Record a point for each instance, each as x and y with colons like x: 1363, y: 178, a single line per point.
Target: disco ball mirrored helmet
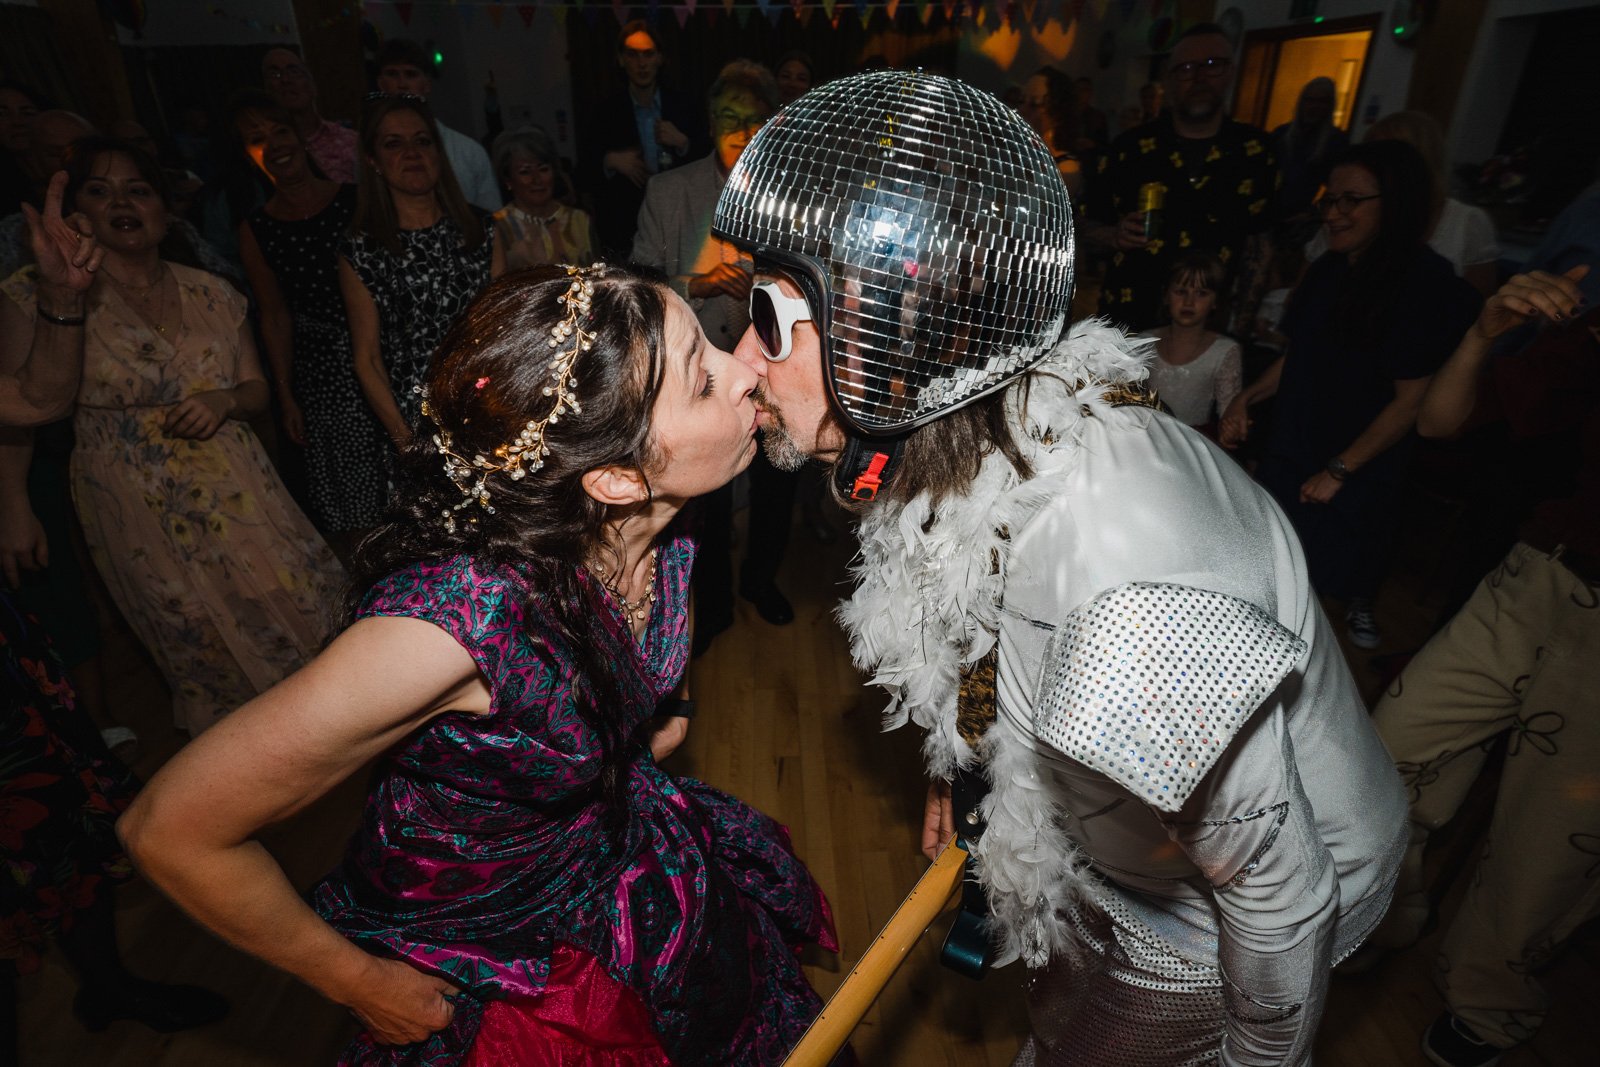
x: 929, y: 228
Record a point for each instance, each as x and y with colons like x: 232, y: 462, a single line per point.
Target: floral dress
x: 344, y: 445
x: 60, y: 795
x: 532, y: 240
x: 205, y: 553
x: 419, y: 295
x: 484, y: 857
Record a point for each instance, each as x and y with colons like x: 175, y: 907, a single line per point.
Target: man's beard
x: 776, y: 440
x: 1200, y: 105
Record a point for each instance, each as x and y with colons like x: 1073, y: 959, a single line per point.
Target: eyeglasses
x: 376, y: 95
x: 282, y: 74
x: 730, y: 121
x: 1344, y: 203
x: 1211, y: 68
x: 773, y: 313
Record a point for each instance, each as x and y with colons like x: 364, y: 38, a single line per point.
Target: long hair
x: 1366, y: 299
x: 1061, y: 108
x: 375, y: 215
x: 253, y: 103
x: 487, y: 381
x: 1421, y: 131
x: 87, y: 151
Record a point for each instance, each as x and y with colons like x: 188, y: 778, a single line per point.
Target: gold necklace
x: 635, y: 610
x: 160, y: 323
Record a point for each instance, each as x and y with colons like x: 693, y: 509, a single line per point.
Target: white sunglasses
x: 773, y: 313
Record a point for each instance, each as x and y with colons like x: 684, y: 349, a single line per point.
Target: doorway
x: 1277, y: 63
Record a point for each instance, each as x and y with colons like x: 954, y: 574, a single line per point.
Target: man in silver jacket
x: 1189, y: 818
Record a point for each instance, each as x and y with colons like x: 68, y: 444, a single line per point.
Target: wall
x: 529, y: 63
x: 1388, y: 73
x: 1498, y: 58
x: 185, y: 23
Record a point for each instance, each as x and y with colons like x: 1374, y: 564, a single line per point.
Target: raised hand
x: 1527, y: 296
x: 64, y: 249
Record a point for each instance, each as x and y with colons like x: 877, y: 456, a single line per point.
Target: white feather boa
x: 927, y: 604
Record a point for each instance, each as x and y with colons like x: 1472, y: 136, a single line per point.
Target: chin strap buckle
x: 871, y: 480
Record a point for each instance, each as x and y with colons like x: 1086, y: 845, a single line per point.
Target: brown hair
x: 86, y: 151
x: 374, y: 215
x: 487, y: 381
x: 1207, y: 270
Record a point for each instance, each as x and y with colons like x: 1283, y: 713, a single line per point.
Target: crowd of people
x: 507, y: 468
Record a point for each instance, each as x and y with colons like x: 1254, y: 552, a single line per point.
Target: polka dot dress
x: 419, y: 295
x: 344, y: 445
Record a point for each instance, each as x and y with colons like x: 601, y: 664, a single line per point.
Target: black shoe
x: 165, y: 1009
x: 1449, y: 1042
x: 771, y: 605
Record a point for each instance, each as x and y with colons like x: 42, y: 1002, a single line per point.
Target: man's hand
x: 1556, y: 297
x: 938, y: 819
x: 1130, y: 232
x: 23, y: 546
x: 671, y: 137
x: 628, y: 162
x: 725, y: 279
x: 399, y: 1004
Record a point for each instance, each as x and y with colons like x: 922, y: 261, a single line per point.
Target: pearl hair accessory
x: 527, y: 450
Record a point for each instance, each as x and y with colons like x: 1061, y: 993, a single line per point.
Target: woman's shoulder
x: 468, y: 597
x: 203, y: 283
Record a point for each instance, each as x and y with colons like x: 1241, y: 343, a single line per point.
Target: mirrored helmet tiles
x: 929, y: 228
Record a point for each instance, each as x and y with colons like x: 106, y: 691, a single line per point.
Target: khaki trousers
x: 1522, y: 658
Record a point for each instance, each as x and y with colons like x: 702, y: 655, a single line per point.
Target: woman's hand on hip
x: 200, y: 416
x: 399, y: 1004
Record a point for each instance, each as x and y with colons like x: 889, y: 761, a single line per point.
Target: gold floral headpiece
x: 527, y: 450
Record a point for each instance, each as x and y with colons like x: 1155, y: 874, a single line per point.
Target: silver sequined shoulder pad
x: 1148, y: 683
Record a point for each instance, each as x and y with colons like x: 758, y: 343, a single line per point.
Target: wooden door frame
x: 1275, y: 36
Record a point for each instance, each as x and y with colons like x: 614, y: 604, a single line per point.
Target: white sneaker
x: 1360, y: 625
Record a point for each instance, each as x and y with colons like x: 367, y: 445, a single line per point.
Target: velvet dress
x: 484, y: 856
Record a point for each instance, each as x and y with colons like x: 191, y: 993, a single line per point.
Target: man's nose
x: 748, y: 351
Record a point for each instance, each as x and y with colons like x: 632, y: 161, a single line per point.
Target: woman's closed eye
x: 710, y: 386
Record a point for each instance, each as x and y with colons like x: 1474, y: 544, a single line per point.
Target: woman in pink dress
x: 528, y: 886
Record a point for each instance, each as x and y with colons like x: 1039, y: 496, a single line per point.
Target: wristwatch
x: 1337, y: 469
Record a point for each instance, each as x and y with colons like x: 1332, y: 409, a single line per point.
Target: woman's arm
x: 1385, y: 431
x: 42, y: 386
x: 200, y: 416
x: 1453, y: 394
x: 277, y: 330
x: 191, y: 829
x: 370, y: 371
x: 497, y: 254
x: 23, y: 546
x: 1235, y: 426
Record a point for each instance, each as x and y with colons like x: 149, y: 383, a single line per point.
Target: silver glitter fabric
x: 1148, y: 682
x: 929, y: 221
x: 1119, y: 996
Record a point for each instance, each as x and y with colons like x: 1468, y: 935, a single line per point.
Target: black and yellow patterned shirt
x: 1219, y: 192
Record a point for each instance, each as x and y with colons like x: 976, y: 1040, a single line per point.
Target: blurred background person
x: 643, y: 129
x: 1368, y: 325
x: 18, y: 106
x: 287, y: 80
x: 795, y: 74
x: 1094, y: 131
x: 1307, y: 145
x: 1049, y: 103
x: 403, y: 67
x: 415, y: 256
x: 289, y: 248
x: 536, y: 226
x: 216, y: 570
x: 675, y: 238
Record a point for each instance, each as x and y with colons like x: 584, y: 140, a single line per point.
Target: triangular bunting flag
x: 891, y: 8
x: 827, y: 9
x: 527, y: 11
x: 404, y: 11
x: 496, y: 13
x: 465, y: 14
x: 682, y: 13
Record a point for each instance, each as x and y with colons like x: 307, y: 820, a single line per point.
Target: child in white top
x: 1197, y: 371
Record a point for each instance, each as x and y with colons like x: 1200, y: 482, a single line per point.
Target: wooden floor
x: 786, y: 724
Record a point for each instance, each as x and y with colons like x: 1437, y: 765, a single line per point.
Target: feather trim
x: 927, y: 604
x: 1029, y: 868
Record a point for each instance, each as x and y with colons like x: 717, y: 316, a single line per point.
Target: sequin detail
x: 1148, y: 682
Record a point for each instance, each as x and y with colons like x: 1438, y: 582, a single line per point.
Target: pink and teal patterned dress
x: 484, y: 853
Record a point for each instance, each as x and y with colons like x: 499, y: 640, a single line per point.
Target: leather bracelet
x: 61, y: 320
x: 673, y: 706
